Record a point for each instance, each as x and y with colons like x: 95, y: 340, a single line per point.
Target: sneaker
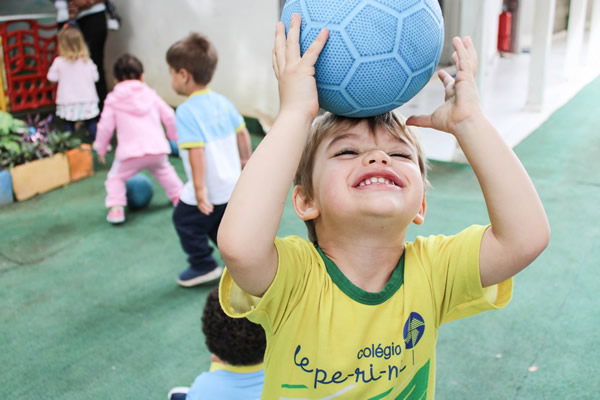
x: 190, y: 277
x: 116, y: 215
x: 178, y: 393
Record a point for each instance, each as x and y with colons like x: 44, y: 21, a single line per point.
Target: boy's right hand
x: 295, y: 73
x: 204, y: 205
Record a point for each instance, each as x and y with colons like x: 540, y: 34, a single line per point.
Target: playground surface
x: 92, y: 311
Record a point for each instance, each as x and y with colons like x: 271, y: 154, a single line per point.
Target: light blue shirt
x: 208, y: 119
x: 225, y: 384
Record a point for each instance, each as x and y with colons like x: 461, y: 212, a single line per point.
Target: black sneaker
x: 190, y: 277
x: 178, y: 393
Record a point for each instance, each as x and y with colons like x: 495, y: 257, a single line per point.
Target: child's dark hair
x: 197, y: 55
x: 236, y: 341
x: 128, y: 67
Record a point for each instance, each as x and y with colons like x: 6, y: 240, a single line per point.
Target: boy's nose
x: 377, y: 157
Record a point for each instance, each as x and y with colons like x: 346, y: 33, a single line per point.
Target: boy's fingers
x: 274, y: 62
x: 205, y: 209
x: 279, y: 48
x: 464, y: 64
x: 448, y: 82
x: 455, y: 59
x: 423, y: 121
x: 470, y: 47
x: 445, y: 77
x: 293, y: 38
x: 312, y: 53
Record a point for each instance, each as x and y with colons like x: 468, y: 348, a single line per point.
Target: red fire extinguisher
x: 504, y: 24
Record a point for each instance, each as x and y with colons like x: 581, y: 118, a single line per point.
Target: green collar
x: 356, y: 293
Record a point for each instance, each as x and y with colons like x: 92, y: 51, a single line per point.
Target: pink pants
x: 121, y: 170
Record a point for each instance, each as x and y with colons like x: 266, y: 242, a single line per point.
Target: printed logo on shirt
x: 415, y: 378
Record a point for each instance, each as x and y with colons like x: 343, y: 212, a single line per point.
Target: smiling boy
x: 354, y: 312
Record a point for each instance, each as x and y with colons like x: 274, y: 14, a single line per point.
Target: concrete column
x: 473, y: 22
x: 593, y: 56
x: 540, y: 53
x: 451, y: 28
x: 523, y: 36
x: 577, y: 11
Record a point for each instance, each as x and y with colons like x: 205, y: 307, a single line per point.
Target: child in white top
x: 76, y: 74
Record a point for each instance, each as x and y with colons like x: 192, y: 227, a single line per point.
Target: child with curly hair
x: 238, y: 348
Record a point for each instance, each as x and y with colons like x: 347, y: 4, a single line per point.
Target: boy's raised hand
x: 461, y: 95
x: 295, y: 73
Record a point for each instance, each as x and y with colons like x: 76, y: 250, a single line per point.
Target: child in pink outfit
x: 136, y: 112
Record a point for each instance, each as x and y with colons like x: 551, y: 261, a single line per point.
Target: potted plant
x: 10, y: 133
x: 40, y: 163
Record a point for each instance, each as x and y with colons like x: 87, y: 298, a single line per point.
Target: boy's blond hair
x: 197, y: 55
x: 328, y: 124
x: 71, y: 44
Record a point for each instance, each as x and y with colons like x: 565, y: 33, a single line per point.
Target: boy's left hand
x: 461, y: 95
x: 101, y: 159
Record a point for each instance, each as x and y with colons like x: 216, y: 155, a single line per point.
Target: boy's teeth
x: 370, y: 181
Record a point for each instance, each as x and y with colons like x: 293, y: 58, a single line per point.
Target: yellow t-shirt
x: 327, y: 338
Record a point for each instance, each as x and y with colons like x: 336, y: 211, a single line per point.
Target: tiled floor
x: 504, y: 98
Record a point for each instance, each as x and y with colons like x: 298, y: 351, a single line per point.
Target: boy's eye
x: 346, y: 152
x: 402, y: 155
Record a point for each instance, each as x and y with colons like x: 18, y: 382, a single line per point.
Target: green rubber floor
x: 92, y: 311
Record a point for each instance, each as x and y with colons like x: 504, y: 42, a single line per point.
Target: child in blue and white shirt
x: 214, y: 146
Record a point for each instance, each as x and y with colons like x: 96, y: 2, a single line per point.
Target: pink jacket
x: 75, y: 80
x: 135, y: 111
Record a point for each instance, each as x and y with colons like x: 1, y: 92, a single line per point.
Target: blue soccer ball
x: 174, y: 148
x: 139, y: 191
x: 379, y: 55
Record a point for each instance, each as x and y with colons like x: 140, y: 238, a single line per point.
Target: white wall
x: 242, y: 32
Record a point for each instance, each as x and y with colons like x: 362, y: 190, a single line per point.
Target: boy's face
x: 357, y: 174
x: 178, y: 81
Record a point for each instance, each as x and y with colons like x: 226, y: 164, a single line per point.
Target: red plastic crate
x: 29, y: 49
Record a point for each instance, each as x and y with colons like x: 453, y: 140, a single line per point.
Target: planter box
x: 81, y: 162
x: 6, y: 190
x: 40, y: 176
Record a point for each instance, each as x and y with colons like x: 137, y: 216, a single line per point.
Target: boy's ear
x: 304, y: 207
x: 185, y: 74
x: 420, y: 218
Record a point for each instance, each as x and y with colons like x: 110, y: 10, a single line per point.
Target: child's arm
x: 244, y: 145
x: 94, y: 69
x: 53, y: 71
x: 198, y: 164
x: 167, y: 116
x: 247, y: 231
x: 105, y: 131
x: 520, y: 229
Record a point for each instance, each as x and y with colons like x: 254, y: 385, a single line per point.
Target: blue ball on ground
x: 139, y: 191
x: 174, y: 148
x: 379, y: 55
